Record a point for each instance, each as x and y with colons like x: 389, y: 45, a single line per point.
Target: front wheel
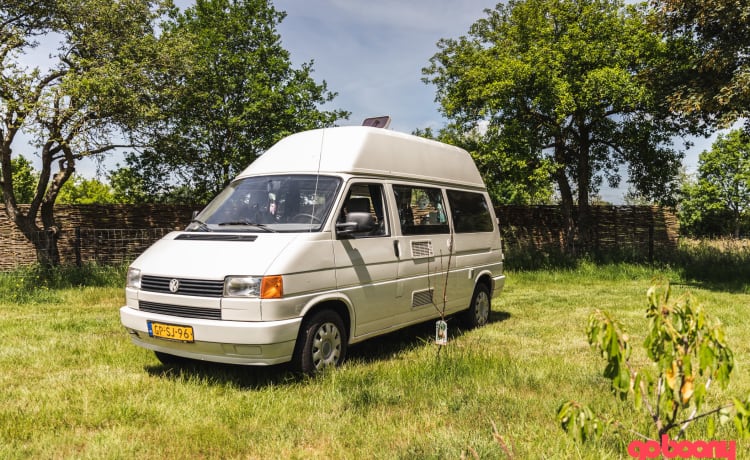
x: 478, y: 313
x: 321, y: 343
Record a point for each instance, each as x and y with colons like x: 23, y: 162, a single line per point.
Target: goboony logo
x: 682, y: 449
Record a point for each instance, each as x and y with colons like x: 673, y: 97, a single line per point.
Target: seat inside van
x: 359, y: 212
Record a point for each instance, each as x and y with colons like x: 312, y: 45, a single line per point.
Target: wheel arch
x: 485, y: 278
x: 336, y: 304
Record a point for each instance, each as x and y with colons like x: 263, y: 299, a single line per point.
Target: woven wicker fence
x: 114, y: 234
x: 643, y: 230
x: 106, y: 234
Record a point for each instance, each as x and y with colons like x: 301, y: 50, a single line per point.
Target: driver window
x: 363, y: 213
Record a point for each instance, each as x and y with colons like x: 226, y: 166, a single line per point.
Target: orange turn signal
x: 272, y: 287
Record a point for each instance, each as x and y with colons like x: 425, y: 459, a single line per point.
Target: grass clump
x: 38, y: 284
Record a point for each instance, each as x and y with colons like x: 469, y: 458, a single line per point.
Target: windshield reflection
x: 279, y: 203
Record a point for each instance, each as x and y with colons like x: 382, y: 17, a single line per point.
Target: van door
x: 366, y: 263
x: 475, y: 242
x: 424, y: 248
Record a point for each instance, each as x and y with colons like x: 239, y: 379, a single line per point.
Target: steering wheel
x: 304, y: 218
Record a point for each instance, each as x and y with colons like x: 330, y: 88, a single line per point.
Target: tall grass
x: 723, y: 263
x: 39, y: 284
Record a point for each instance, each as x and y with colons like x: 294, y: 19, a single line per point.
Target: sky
x: 371, y: 53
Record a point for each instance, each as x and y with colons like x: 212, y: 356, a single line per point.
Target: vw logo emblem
x: 174, y: 285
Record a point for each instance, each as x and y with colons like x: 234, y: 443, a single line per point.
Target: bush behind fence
x: 117, y: 234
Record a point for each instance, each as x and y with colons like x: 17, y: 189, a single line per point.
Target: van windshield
x: 279, y: 203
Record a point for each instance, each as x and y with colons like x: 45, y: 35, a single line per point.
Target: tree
x: 238, y: 96
x: 562, y: 85
x: 510, y: 179
x: 127, y: 187
x: 24, y: 179
x: 94, y: 88
x: 720, y: 197
x: 710, y: 40
x: 80, y: 190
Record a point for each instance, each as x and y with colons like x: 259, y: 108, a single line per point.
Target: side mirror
x: 356, y: 222
x: 346, y: 228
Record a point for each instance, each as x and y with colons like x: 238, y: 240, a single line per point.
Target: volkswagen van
x: 330, y: 237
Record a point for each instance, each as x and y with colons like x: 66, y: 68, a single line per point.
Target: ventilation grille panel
x: 421, y: 298
x: 421, y: 249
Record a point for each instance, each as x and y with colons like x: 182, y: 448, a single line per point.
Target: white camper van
x: 331, y: 237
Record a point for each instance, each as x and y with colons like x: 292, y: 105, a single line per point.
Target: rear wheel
x: 478, y: 313
x: 321, y: 343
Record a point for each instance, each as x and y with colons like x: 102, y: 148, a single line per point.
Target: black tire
x: 321, y: 343
x: 478, y: 313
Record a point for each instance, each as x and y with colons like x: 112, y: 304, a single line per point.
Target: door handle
x: 396, y: 249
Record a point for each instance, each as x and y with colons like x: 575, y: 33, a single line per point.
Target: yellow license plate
x: 170, y: 331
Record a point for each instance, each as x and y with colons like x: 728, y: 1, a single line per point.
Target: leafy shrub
x: 688, y: 354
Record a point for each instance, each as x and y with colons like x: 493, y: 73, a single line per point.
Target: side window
x: 421, y: 210
x: 470, y: 212
x: 363, y: 213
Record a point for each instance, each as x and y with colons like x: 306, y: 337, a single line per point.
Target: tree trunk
x: 44, y: 240
x: 585, y: 221
x: 566, y: 199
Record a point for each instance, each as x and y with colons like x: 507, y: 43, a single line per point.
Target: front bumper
x: 232, y: 342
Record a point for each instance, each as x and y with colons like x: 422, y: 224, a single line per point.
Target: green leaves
x: 607, y: 337
x: 721, y: 190
x: 712, y: 40
x: 233, y: 95
x: 688, y: 352
x: 566, y: 88
x: 579, y: 421
x: 88, y: 98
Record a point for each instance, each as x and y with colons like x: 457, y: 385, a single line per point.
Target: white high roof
x: 370, y: 151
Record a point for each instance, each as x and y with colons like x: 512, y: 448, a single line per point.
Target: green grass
x: 73, y: 386
x: 39, y: 284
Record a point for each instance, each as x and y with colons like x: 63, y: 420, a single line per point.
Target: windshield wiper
x: 249, y: 223
x: 202, y: 226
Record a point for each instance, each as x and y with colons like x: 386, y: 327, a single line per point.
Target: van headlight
x: 133, y: 279
x: 265, y: 287
x: 242, y: 286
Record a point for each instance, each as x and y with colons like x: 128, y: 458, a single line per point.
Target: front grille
x: 179, y: 310
x: 202, y: 288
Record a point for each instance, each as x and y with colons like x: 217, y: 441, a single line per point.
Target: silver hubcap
x: 326, y: 346
x: 482, y: 308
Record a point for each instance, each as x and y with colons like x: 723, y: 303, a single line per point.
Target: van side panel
x: 366, y: 274
x: 308, y: 269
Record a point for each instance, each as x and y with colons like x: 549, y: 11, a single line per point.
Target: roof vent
x: 378, y: 122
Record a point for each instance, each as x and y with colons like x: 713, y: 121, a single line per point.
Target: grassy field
x: 73, y: 386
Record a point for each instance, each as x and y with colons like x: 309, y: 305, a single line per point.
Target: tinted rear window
x: 470, y: 212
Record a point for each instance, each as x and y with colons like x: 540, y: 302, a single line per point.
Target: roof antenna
x: 378, y: 122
